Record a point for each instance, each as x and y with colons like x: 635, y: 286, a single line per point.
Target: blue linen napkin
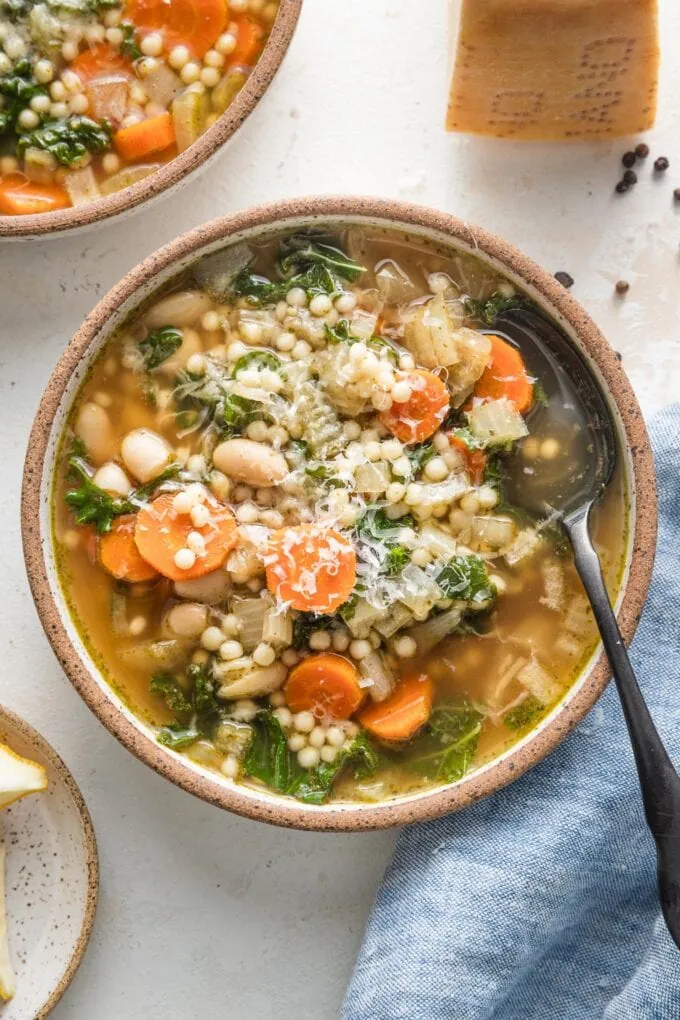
x: 539, y: 903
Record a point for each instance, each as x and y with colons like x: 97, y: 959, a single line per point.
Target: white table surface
x: 201, y: 913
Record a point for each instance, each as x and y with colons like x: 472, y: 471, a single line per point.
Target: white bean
x: 210, y: 589
x: 94, y: 428
x: 184, y: 308
x: 187, y: 619
x: 111, y: 478
x: 253, y: 463
x: 145, y: 454
x: 255, y: 683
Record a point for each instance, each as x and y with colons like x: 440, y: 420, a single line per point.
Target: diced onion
x: 429, y: 634
x: 374, y: 668
x: 497, y: 422
x: 539, y: 682
x: 250, y: 614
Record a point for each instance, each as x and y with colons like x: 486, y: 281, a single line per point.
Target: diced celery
x: 226, y: 89
x: 189, y: 112
x: 129, y: 175
x: 81, y: 186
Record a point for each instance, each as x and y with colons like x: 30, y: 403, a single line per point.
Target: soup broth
x: 281, y: 524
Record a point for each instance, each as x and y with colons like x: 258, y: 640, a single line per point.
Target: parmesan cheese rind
x: 555, y: 69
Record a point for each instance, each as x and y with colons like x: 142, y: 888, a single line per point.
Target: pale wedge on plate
x: 18, y: 777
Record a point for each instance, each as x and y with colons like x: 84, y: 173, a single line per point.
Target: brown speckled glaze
x: 416, y: 221
x: 172, y: 174
x: 51, y: 907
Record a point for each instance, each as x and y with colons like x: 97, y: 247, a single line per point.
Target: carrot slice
x: 505, y: 376
x: 419, y: 417
x: 21, y: 197
x: 248, y: 41
x: 101, y: 61
x: 145, y: 137
x: 403, y: 713
x: 311, y: 567
x: 327, y: 685
x: 161, y: 532
x: 475, y: 460
x: 195, y: 24
x: 119, y: 555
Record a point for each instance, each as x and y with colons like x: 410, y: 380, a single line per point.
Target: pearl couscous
x: 286, y: 531
x: 95, y: 95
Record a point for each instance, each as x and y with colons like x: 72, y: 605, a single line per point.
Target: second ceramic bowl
x: 173, y: 174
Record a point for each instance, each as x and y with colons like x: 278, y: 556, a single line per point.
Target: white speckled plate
x: 52, y: 878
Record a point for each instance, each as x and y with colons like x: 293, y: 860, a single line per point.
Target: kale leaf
x: 377, y: 524
x: 258, y: 289
x: 270, y: 760
x: 398, y: 557
x: 465, y: 578
x: 17, y: 89
x: 315, y: 267
x: 141, y: 495
x: 195, y: 708
x: 93, y: 505
x: 67, y: 140
x: 129, y: 47
x: 445, y: 749
x: 420, y: 455
x: 160, y: 345
x: 235, y: 413
x: 231, y: 414
x: 360, y: 756
x: 524, y: 714
x: 166, y: 686
x: 303, y: 254
x: 382, y: 534
x: 487, y: 310
x: 305, y: 624
x: 258, y: 359
x: 177, y: 737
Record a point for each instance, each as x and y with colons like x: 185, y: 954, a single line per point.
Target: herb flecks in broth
x: 289, y: 539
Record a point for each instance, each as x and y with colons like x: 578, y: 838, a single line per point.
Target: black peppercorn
x: 642, y: 150
x: 676, y: 194
x: 565, y: 279
x: 661, y: 164
x: 622, y: 186
x: 622, y: 286
x: 628, y: 159
x: 630, y: 177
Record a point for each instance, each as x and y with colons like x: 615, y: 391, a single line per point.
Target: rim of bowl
x: 421, y: 805
x: 183, y: 165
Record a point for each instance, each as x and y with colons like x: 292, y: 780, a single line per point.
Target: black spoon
x: 569, y: 484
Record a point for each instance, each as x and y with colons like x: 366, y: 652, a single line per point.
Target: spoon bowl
x: 569, y: 405
x: 574, y: 397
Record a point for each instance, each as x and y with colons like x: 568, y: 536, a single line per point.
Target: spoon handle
x: 659, y: 781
